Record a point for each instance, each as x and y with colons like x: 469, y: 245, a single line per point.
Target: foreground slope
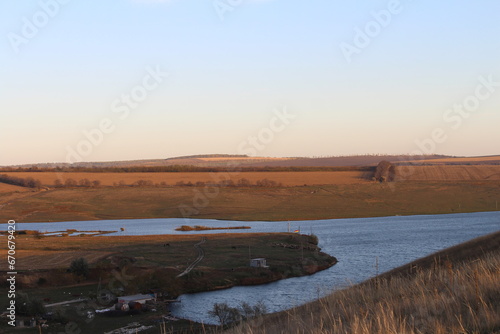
x: 452, y: 291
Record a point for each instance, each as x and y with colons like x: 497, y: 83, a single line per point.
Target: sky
x: 152, y: 79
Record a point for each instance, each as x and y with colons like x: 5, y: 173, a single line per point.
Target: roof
x: 135, y: 297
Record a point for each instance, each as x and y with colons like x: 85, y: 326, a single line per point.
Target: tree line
x: 28, y: 182
x: 224, y: 183
x: 58, y: 183
x: 186, y: 169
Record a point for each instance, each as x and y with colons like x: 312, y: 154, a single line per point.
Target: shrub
x: 37, y: 235
x: 228, y: 315
x: 85, y: 183
x: 70, y: 183
x: 79, y: 267
x: 29, y: 306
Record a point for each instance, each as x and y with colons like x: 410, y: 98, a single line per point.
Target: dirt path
x: 201, y: 255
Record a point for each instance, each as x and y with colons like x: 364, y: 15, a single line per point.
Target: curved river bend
x: 356, y: 243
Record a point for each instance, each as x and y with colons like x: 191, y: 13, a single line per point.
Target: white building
x: 258, y: 263
x: 141, y: 299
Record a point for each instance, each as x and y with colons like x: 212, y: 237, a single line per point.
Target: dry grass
x: 286, y: 178
x: 464, y: 160
x: 448, y: 173
x: 8, y: 188
x: 287, y: 203
x: 452, y: 298
x: 44, y: 259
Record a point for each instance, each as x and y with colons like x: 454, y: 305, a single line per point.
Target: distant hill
x: 356, y: 160
x: 222, y: 160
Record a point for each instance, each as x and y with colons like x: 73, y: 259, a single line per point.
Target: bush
x: 224, y: 313
x: 79, y: 267
x: 37, y: 235
x: 385, y: 172
x: 70, y: 183
x: 29, y: 306
x: 228, y: 315
x: 313, y: 239
x: 85, y: 183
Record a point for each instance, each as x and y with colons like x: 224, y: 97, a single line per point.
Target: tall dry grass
x: 463, y: 298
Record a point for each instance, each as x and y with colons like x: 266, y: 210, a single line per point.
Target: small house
x: 258, y: 263
x: 141, y: 299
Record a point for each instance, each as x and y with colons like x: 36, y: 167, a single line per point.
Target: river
x: 359, y: 244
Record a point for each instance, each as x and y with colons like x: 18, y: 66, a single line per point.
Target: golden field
x: 369, y: 199
x: 448, y: 173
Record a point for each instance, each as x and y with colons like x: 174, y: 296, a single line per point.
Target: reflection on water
x: 356, y: 243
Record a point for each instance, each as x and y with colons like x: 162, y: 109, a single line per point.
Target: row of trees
x: 28, y: 182
x: 225, y: 183
x: 73, y: 183
x: 187, y: 169
x: 230, y: 183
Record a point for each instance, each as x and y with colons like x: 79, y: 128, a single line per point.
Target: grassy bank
x: 249, y: 203
x: 155, y: 261
x: 453, y: 291
x: 140, y: 264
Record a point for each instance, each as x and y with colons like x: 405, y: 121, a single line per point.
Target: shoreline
x: 249, y: 221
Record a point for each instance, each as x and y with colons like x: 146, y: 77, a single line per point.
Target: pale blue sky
x: 227, y: 76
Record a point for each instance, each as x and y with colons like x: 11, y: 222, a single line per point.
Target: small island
x: 187, y: 228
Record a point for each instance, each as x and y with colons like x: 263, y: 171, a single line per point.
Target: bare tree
x: 85, y: 183
x: 70, y: 183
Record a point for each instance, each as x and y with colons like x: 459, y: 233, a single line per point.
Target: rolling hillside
x: 448, y: 173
